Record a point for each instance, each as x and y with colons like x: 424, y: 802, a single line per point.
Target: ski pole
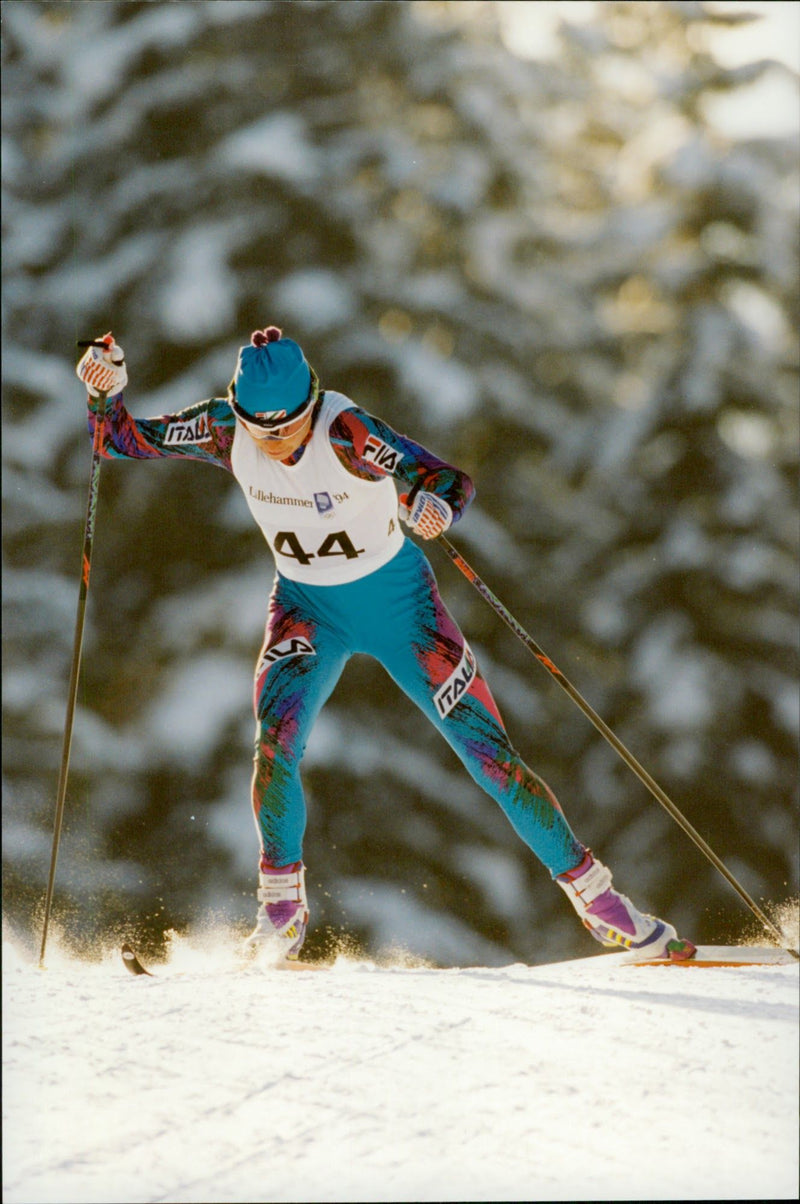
x: 86, y: 565
x: 628, y: 757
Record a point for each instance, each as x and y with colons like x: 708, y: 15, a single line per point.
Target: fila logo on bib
x: 457, y: 684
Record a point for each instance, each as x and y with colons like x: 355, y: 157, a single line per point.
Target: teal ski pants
x: 397, y: 616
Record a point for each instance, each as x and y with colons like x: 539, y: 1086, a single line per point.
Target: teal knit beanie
x: 273, y: 381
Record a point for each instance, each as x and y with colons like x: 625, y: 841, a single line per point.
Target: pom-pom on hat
x: 273, y: 383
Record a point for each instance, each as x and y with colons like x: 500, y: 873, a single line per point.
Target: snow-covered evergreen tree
x: 560, y: 275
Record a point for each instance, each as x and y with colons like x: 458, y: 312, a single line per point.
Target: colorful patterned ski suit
x: 348, y: 581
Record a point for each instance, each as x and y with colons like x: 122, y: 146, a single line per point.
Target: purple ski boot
x: 611, y: 917
x: 282, y: 918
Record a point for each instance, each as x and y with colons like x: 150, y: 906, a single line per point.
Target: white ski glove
x: 102, y: 366
x: 429, y: 515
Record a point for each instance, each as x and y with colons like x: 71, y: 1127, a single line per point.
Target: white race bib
x: 323, y: 525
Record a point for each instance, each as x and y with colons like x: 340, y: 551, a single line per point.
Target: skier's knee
x: 276, y: 743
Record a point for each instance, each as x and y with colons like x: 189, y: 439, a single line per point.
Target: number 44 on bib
x: 337, y: 543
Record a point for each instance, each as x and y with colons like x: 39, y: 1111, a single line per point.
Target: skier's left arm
x: 435, y: 494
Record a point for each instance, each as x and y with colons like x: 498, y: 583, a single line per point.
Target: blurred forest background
x: 562, y: 272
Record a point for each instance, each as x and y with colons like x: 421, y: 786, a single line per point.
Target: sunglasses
x: 281, y: 431
x: 275, y: 430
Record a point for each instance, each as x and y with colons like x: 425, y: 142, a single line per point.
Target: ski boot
x: 282, y: 918
x: 613, y: 920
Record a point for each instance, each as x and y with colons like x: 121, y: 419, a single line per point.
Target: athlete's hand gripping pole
x: 102, y: 366
x: 614, y: 741
x: 86, y: 565
x: 426, y: 514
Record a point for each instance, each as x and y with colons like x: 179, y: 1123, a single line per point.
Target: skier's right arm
x: 201, y: 432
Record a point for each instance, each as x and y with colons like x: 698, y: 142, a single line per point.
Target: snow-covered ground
x: 583, y: 1080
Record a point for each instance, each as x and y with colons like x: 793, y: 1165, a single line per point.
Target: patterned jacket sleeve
x: 203, y: 431
x: 370, y: 449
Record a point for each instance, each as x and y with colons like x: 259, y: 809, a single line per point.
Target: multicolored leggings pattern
x: 397, y: 616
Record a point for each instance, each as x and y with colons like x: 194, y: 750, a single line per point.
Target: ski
x: 132, y: 962
x: 135, y: 966
x: 717, y: 955
x: 705, y: 956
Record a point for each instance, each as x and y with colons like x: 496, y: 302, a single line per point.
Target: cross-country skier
x: 319, y: 475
